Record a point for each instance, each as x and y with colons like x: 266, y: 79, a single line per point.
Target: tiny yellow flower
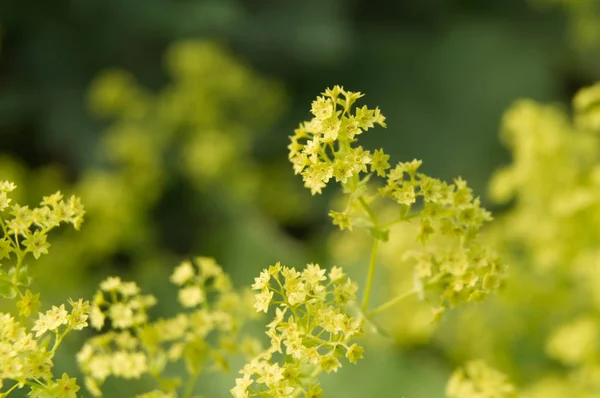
x: 191, y: 296
x: 36, y: 244
x: 262, y: 300
x: 183, y: 273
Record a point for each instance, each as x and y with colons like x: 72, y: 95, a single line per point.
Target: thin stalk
x: 11, y: 389
x: 20, y: 257
x: 389, y: 304
x: 58, y: 339
x: 189, y: 387
x: 370, y: 213
x: 370, y: 275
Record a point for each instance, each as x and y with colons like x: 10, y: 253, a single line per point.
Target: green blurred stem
x: 3, y: 227
x: 18, y: 267
x: 10, y: 390
x: 373, y: 260
x: 59, y: 339
x: 391, y: 303
x: 398, y: 299
x: 399, y: 220
x: 370, y: 275
x: 189, y: 387
x: 370, y: 213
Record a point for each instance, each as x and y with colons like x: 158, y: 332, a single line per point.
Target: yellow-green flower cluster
x: 311, y: 332
x: 65, y: 387
x: 321, y: 149
x: 450, y: 262
x: 203, y: 337
x: 121, y: 303
x: 28, y: 345
x: 551, y: 237
x: 26, y: 230
x: 26, y: 359
x: 555, y: 178
x: 477, y: 380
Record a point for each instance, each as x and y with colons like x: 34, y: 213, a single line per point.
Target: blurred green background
x: 442, y: 72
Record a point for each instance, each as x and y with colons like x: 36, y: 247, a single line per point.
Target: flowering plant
x: 28, y: 341
x: 316, y: 324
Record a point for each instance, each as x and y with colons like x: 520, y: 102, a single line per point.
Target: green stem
x: 18, y: 266
x: 325, y: 156
x: 59, y: 338
x: 389, y: 224
x: 33, y: 384
x: 389, y: 304
x: 370, y: 275
x: 370, y: 213
x: 189, y: 387
x: 9, y: 390
x: 3, y: 227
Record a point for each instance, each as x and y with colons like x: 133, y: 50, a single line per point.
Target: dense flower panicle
x: 451, y: 258
x: 444, y: 258
x: 478, y: 380
x: 434, y: 246
x: 26, y: 356
x: 450, y: 263
x: 203, y: 337
x: 28, y: 346
x: 549, y: 233
x: 555, y: 178
x: 321, y: 149
x: 30, y: 227
x: 311, y: 331
x: 121, y: 303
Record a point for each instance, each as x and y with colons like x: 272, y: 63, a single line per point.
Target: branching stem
x: 389, y: 304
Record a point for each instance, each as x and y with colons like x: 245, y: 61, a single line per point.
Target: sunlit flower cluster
x: 451, y: 266
x: 321, y: 149
x: 121, y: 303
x: 550, y: 235
x: 477, y: 380
x: 203, y: 337
x: 28, y: 345
x: 27, y: 230
x: 451, y: 259
x: 433, y: 231
x: 312, y: 331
